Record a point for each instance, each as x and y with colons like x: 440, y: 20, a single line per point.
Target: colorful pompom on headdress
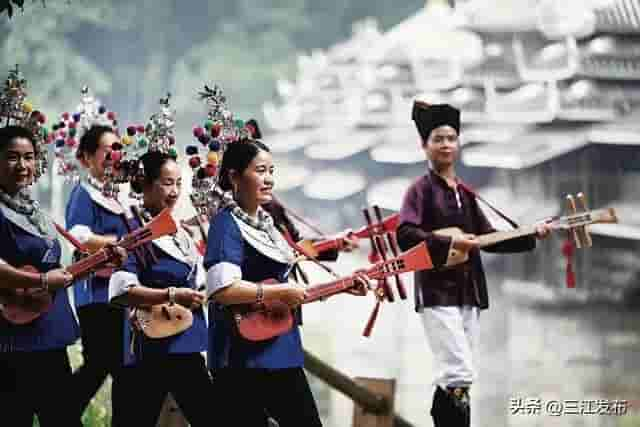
x: 15, y: 110
x: 219, y: 130
x: 156, y: 135
x: 72, y: 126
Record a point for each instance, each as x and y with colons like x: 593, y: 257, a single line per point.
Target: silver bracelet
x: 172, y: 295
x: 44, y: 282
x: 259, y: 293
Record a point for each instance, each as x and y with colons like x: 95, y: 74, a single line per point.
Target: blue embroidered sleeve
x: 225, y: 243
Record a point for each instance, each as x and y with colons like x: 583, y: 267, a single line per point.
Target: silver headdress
x: 15, y: 110
x: 156, y: 135
x: 72, y: 126
x: 219, y: 130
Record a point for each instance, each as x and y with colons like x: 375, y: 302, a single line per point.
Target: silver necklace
x: 263, y: 222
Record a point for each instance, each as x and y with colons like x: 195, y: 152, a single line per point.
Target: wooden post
x: 383, y: 388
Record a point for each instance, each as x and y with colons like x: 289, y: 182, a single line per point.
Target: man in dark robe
x: 449, y: 298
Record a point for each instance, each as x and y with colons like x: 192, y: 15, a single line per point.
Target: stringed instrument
x: 259, y: 322
x: 576, y: 221
x: 165, y: 320
x: 24, y: 305
x: 162, y: 320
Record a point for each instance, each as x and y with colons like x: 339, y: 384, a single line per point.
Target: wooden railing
x: 370, y: 401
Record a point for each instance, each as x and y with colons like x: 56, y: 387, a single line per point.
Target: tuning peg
x: 572, y: 211
x: 583, y: 233
x: 583, y: 200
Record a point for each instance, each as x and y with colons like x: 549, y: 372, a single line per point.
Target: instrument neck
x: 501, y: 236
x: 325, y: 290
x: 88, y: 264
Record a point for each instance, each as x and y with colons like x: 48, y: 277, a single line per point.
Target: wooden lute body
x: 162, y: 320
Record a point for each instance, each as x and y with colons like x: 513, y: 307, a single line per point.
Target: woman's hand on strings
x: 190, y: 298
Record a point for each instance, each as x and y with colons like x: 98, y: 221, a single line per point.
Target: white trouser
x: 451, y: 332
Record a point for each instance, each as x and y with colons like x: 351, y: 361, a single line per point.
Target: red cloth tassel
x: 568, y: 251
x: 372, y: 320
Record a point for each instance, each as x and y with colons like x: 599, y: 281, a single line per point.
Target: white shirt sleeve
x: 222, y: 275
x: 201, y: 276
x: 82, y: 233
x: 119, y: 285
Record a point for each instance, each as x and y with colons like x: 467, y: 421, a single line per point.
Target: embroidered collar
x: 260, y: 231
x: 178, y: 245
x: 94, y: 188
x: 25, y: 212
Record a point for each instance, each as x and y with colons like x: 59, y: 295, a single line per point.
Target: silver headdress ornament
x: 159, y: 129
x: 15, y: 110
x: 72, y: 126
x: 219, y: 130
x: 157, y: 135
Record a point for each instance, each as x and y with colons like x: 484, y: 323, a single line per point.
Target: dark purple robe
x: 431, y: 204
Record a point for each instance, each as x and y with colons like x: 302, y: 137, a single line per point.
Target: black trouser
x: 101, y: 327
x: 249, y: 395
x: 185, y: 376
x: 448, y: 411
x: 37, y: 383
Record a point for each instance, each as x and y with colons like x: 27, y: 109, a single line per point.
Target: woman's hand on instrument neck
x: 97, y: 242
x: 362, y: 284
x: 118, y: 254
x: 190, y: 298
x: 465, y: 242
x: 350, y: 242
x: 58, y: 279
